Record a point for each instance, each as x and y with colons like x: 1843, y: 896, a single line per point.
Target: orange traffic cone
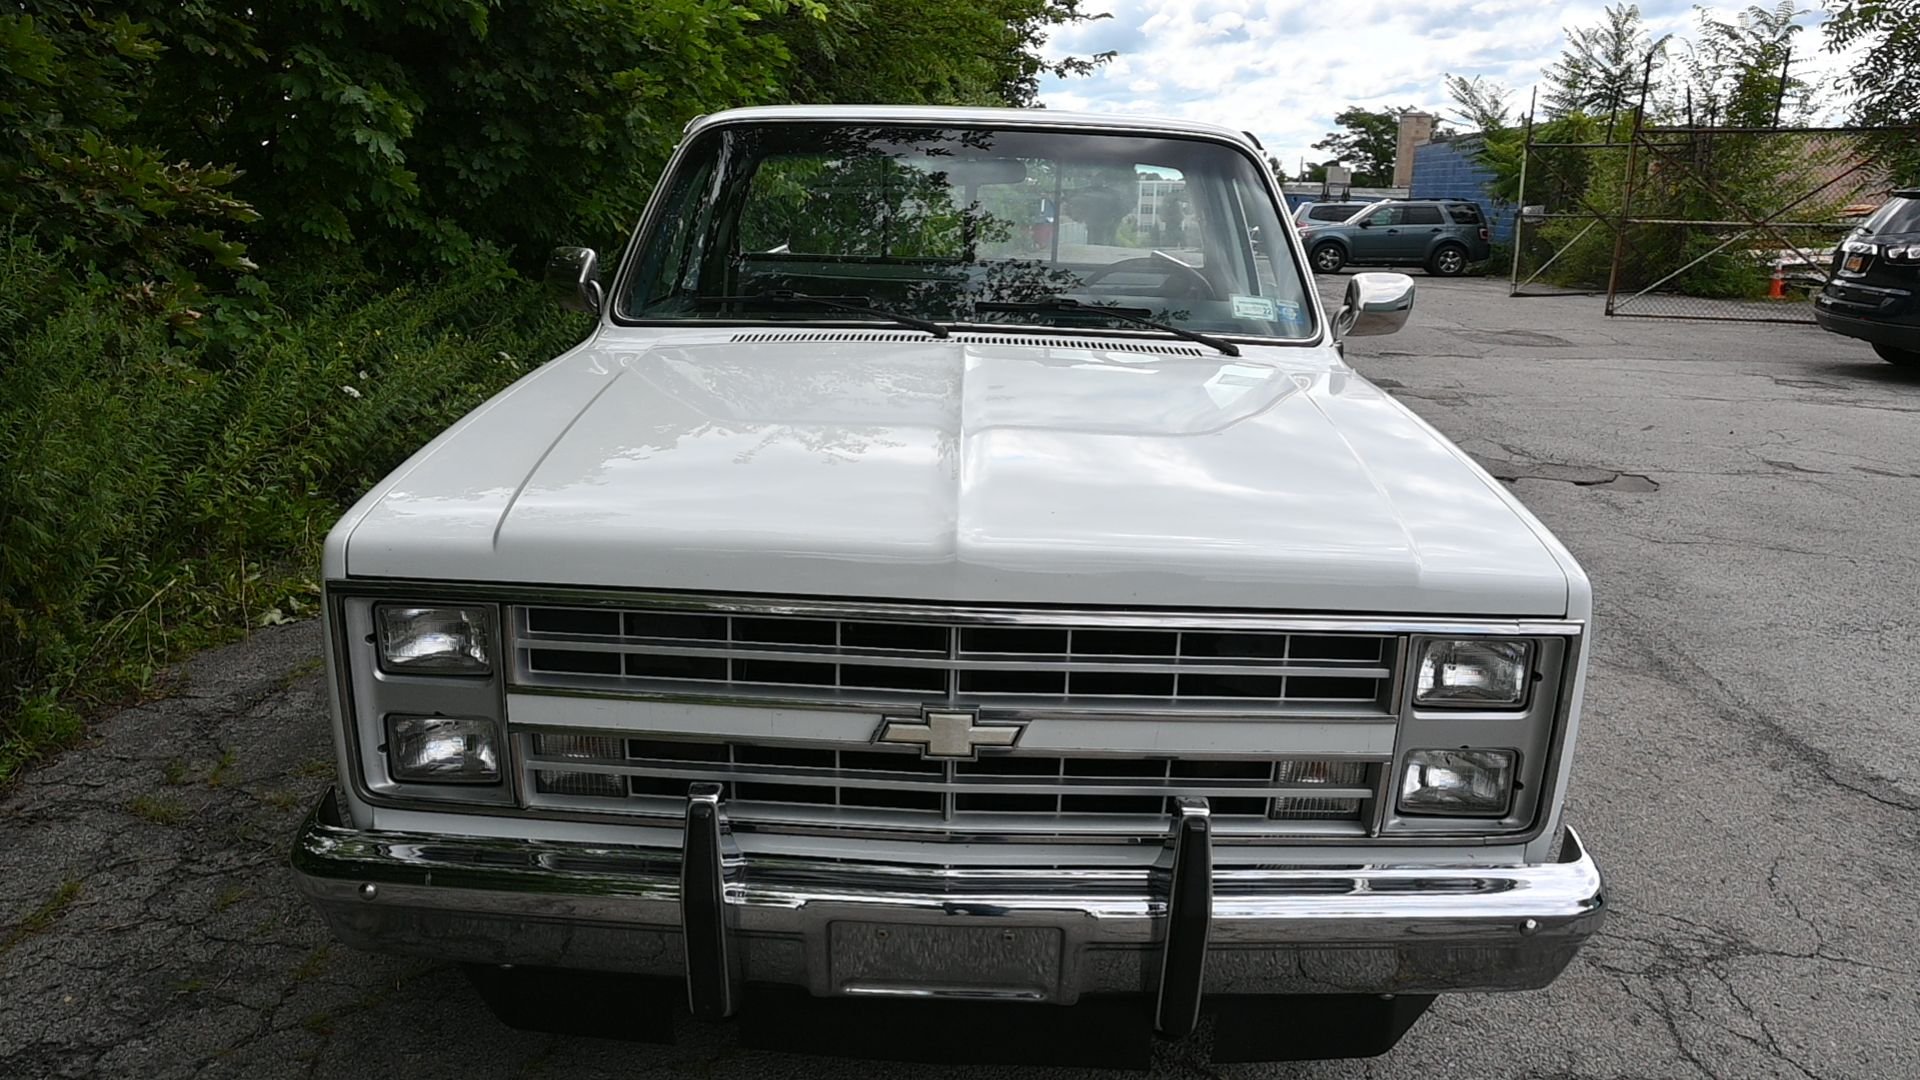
x: 1777, y: 290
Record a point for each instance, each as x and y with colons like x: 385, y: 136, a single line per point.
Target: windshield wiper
x: 1064, y: 305
x: 838, y: 303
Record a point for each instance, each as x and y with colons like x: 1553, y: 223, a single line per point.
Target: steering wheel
x: 1195, y: 282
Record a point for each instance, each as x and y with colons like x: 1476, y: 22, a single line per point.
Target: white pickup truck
x: 959, y: 568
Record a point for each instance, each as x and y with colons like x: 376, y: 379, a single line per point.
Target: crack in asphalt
x: 1577, y: 475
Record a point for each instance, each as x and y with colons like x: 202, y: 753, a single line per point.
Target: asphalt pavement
x: 1745, y: 497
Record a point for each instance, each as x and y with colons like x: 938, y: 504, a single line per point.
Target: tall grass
x: 158, y: 495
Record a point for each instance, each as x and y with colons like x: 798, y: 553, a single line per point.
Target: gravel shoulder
x: 1744, y: 497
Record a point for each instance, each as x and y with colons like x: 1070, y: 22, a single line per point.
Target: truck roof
x: 982, y: 117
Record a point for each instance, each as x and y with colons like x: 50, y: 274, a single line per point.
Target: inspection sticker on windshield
x: 1252, y: 307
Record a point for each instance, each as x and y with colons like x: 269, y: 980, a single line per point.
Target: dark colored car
x: 1875, y: 291
x: 1442, y: 235
x: 1327, y: 213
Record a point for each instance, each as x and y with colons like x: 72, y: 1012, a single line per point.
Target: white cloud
x: 1283, y: 68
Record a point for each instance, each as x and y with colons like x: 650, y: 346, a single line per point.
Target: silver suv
x: 1444, y: 236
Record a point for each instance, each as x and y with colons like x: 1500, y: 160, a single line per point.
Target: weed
x: 158, y: 809
x: 174, y: 772
x: 320, y: 1023
x: 283, y: 800
x: 312, y: 665
x: 316, y: 769
x: 43, y: 916
x: 230, y: 896
x: 313, y: 964
x: 40, y: 722
x: 218, y: 774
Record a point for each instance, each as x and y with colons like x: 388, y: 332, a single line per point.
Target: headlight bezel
x: 370, y: 693
x: 1533, y: 732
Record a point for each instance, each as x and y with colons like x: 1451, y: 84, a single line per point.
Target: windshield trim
x: 957, y: 326
x: 615, y: 313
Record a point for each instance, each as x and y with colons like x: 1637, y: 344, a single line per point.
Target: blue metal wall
x: 1449, y: 170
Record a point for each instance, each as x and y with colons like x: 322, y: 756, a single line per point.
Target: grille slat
x: 795, y: 659
x: 654, y: 774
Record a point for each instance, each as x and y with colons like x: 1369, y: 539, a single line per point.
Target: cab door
x: 1419, y: 232
x: 1374, y: 236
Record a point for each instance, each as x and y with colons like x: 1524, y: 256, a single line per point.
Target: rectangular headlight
x: 1473, y: 673
x: 1458, y: 783
x: 434, y: 640
x: 443, y: 749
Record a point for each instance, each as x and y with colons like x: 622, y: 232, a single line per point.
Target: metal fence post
x: 1520, y: 211
x: 1627, y: 186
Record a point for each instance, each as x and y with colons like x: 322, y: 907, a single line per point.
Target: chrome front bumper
x: 876, y: 929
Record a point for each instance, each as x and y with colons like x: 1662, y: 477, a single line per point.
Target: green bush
x: 161, y: 494
x: 178, y: 426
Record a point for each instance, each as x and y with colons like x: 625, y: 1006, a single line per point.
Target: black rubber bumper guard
x: 713, y: 968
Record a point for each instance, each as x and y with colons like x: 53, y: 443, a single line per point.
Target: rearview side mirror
x: 1375, y: 304
x: 573, y: 276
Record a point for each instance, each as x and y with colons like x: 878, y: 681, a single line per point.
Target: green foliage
x: 930, y: 52
x: 417, y: 130
x: 1368, y: 141
x: 1603, y: 67
x: 178, y: 427
x: 1480, y: 104
x: 158, y: 491
x: 1731, y: 73
x: 69, y: 170
x: 1737, y: 72
x: 1885, y: 81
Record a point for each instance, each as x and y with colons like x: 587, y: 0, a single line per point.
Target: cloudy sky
x: 1282, y: 68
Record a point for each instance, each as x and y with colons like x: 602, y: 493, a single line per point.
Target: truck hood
x: 906, y: 468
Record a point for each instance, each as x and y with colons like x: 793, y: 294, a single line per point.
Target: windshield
x: 770, y: 222
x: 1898, y: 215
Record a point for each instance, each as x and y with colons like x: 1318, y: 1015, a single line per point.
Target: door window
x: 1421, y: 215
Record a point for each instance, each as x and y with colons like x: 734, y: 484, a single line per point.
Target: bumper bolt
x: 369, y: 891
x: 1529, y: 926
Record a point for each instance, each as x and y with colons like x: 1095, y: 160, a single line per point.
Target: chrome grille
x: 704, y: 655
x: 777, y: 781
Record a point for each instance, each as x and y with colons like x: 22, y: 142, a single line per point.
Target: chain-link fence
x: 1693, y: 222
x: 1735, y: 223
x: 1563, y: 240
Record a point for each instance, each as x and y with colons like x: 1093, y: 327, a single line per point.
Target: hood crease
x: 521, y: 488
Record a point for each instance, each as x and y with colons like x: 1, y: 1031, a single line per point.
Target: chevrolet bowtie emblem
x: 952, y: 734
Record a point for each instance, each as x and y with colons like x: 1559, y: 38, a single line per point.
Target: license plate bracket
x: 938, y: 960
